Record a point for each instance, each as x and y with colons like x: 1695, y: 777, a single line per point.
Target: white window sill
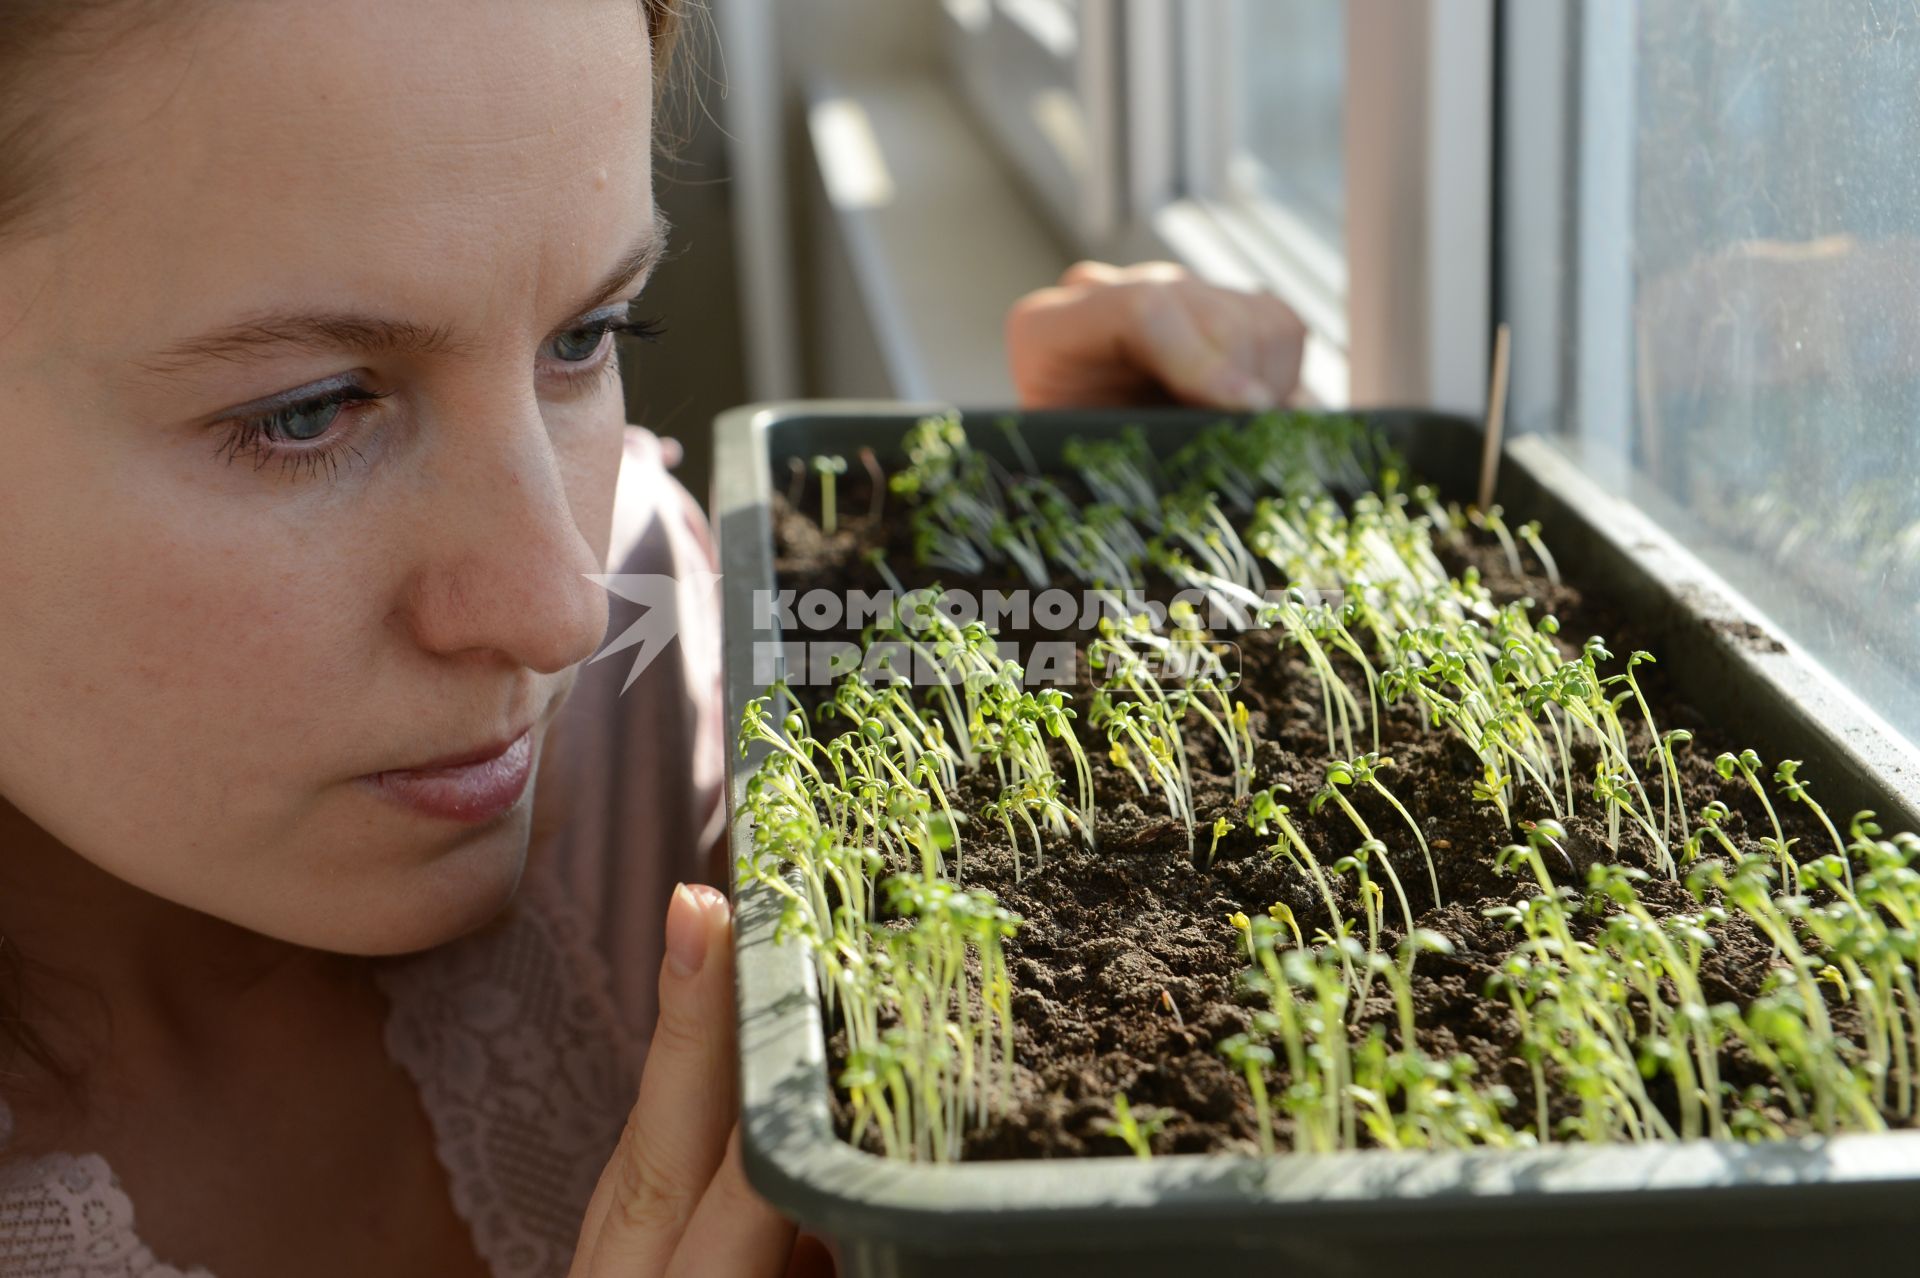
x: 938, y: 238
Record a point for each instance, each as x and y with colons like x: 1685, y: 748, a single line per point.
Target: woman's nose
x: 503, y: 556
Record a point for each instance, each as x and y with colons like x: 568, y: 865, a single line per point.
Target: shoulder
x: 656, y: 521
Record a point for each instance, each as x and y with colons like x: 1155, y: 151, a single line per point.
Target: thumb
x: 676, y: 1135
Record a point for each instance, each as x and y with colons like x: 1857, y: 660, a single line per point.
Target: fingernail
x: 687, y: 931
x: 1254, y: 395
x: 710, y: 898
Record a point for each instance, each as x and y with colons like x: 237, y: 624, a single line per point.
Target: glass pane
x: 1023, y: 72
x: 1055, y: 24
x: 1292, y: 68
x: 1774, y: 312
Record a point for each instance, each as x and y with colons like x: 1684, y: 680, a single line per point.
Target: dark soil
x: 1125, y: 970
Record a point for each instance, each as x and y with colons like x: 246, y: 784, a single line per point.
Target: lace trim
x: 525, y: 1071
x: 65, y: 1216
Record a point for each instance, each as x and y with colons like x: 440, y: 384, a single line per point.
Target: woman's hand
x: 673, y: 1199
x: 1111, y: 335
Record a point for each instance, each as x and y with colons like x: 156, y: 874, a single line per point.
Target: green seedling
x: 1221, y: 826
x: 1365, y: 770
x: 829, y: 469
x: 1253, y: 1059
x: 1786, y: 775
x: 1136, y: 1128
x: 1339, y: 776
x: 1748, y: 766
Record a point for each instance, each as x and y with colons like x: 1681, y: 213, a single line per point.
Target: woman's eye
x: 578, y: 345
x: 304, y: 434
x: 592, y: 337
x: 299, y: 423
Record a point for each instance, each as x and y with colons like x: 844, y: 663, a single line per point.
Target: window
x: 1339, y: 152
x: 1256, y: 189
x: 1289, y: 74
x: 1208, y: 130
x: 1041, y: 77
x: 1336, y: 152
x: 1708, y: 242
x: 1734, y: 345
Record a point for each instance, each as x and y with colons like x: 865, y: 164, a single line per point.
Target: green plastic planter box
x: 1695, y: 1208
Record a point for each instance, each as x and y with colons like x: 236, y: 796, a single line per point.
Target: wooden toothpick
x: 1496, y: 418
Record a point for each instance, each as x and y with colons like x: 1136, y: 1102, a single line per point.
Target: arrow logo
x: 662, y: 597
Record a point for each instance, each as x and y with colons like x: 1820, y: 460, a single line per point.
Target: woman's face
x: 309, y: 433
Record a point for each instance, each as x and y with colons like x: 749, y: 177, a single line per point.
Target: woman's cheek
x: 181, y: 679
x: 590, y: 446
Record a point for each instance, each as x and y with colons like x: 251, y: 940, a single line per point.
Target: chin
x: 458, y: 892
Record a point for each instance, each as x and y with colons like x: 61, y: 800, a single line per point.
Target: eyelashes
x: 321, y: 431
x: 641, y: 328
x: 591, y: 371
x: 264, y: 436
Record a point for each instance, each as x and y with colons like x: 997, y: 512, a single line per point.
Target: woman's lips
x: 475, y: 791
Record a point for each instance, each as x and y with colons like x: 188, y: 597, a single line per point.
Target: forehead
x: 419, y: 157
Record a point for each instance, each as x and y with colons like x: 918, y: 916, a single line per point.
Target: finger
x: 733, y: 1233
x: 1282, y: 346
x: 1064, y: 349
x: 1153, y: 273
x: 1235, y: 322
x: 1089, y: 272
x: 1260, y: 337
x: 676, y: 1135
x: 1171, y: 343
x: 1113, y: 334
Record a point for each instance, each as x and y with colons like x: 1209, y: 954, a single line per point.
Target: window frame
x: 1405, y: 314
x: 1566, y: 264
x: 1438, y: 246
x: 1007, y: 58
x: 1281, y: 242
x: 1179, y: 206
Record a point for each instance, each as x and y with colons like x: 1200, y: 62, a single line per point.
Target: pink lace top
x: 525, y: 1037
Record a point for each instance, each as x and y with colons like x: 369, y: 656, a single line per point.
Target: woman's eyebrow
x: 262, y: 335
x: 318, y: 331
x: 635, y: 264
